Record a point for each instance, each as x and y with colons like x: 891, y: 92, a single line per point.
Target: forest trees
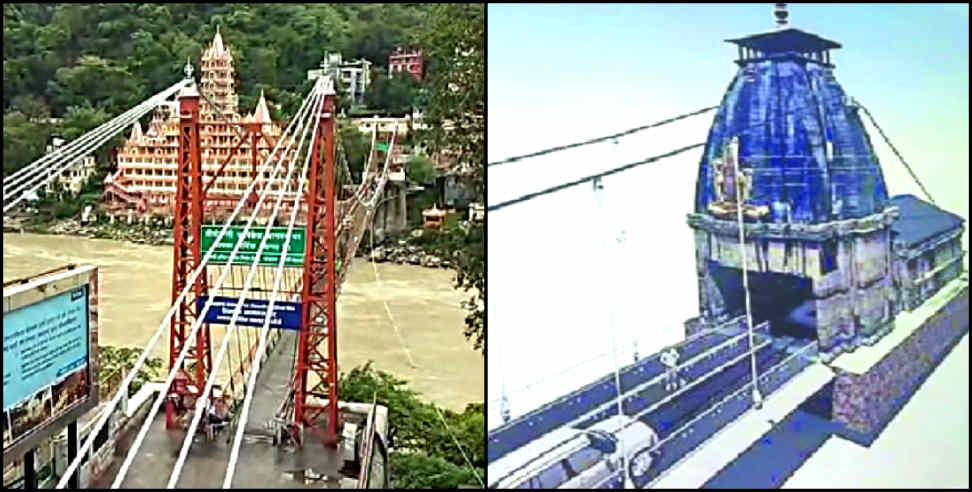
x: 108, y: 57
x: 453, y: 38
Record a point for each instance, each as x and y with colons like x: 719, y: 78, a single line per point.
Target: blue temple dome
x: 798, y: 140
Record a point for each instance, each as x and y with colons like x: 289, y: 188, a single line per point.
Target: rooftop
x: 920, y: 220
x: 791, y: 39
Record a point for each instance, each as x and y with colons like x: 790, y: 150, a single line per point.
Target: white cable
x: 471, y: 467
x: 36, y: 177
x: 74, y: 156
x: 195, y: 328
x: 317, y: 102
x: 168, y: 317
x: 261, y: 348
x: 757, y: 397
x: 598, y: 185
x: 384, y: 301
x: 71, y: 146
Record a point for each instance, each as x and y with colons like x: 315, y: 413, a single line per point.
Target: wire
x: 553, y: 189
x: 85, y: 145
x: 408, y: 353
x: 108, y: 126
x: 449, y: 430
x: 895, y: 150
x: 599, y: 139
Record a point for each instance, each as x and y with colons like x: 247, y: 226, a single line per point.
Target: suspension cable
x: 201, y: 401
x: 70, y: 147
x: 626, y: 167
x: 72, y: 467
x: 200, y: 317
x: 74, y: 156
x: 895, y: 150
x: 553, y: 189
x: 599, y: 139
x: 391, y: 318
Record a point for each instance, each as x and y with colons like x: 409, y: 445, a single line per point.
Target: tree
x: 453, y: 40
x: 397, y: 94
x: 420, y: 170
x: 23, y: 141
x: 32, y: 107
x: 356, y: 147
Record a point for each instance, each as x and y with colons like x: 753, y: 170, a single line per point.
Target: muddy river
x: 427, y: 349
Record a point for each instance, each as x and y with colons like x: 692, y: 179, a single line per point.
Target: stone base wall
x: 865, y: 403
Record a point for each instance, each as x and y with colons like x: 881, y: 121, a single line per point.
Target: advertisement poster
x: 45, y: 357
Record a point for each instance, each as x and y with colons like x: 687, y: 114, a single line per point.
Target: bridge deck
x: 713, y: 394
x: 697, y: 468
x: 260, y: 464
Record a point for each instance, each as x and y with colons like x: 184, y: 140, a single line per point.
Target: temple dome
x: 801, y: 145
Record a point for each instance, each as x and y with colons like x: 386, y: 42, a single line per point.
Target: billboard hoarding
x: 50, y: 329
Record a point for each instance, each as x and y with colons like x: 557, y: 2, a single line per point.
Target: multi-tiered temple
x: 146, y: 176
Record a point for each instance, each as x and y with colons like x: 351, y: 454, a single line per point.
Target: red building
x: 406, y: 60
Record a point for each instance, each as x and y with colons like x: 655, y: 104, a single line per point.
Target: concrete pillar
x: 401, y: 216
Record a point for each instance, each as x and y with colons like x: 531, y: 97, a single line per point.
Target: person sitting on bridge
x: 218, y: 412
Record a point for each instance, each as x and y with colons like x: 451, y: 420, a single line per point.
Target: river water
x: 428, y: 350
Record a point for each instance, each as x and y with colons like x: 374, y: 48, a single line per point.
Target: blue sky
x: 561, y: 73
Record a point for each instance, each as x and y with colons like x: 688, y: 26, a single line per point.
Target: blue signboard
x: 43, y: 343
x: 286, y: 315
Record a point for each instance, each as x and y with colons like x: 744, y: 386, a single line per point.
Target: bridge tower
x: 317, y: 343
x: 187, y: 254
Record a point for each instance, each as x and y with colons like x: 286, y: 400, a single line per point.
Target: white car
x: 578, y: 458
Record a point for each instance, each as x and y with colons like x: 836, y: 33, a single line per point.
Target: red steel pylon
x: 319, y: 295
x: 187, y: 224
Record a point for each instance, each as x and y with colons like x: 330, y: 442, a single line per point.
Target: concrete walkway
x: 260, y: 464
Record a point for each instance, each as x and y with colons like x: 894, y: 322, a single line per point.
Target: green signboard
x: 271, y: 252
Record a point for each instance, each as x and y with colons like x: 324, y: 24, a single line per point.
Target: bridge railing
x: 672, y: 449
x: 702, y: 353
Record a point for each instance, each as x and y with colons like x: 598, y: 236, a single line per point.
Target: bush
x: 421, y: 471
x: 422, y: 451
x: 114, y: 360
x: 66, y: 209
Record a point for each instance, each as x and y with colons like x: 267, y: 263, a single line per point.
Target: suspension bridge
x: 275, y: 262
x: 822, y: 299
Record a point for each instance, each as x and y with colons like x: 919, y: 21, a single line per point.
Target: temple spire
x: 217, y: 42
x: 136, y: 132
x: 188, y: 68
x: 261, y: 114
